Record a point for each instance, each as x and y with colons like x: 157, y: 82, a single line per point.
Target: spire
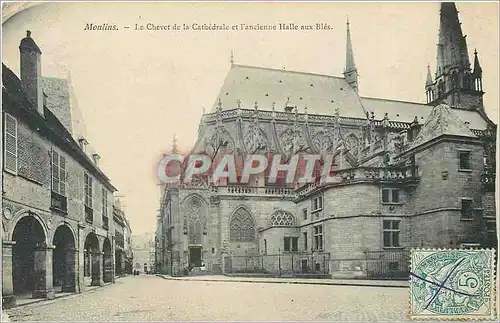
x: 452, y: 46
x: 429, y: 76
x: 350, y: 72
x: 478, y: 71
x: 174, y: 145
x: 232, y: 58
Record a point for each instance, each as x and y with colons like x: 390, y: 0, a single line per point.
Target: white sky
x: 137, y: 88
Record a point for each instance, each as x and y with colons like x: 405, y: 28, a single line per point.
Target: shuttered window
x: 10, y: 150
x: 58, y: 173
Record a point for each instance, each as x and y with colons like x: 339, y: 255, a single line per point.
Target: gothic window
x: 467, y: 81
x: 454, y: 80
x: 195, y: 219
x: 282, y: 218
x: 441, y: 89
x: 241, y: 227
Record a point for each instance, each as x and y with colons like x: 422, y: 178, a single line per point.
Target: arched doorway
x: 30, y: 239
x: 107, y: 264
x: 64, y: 260
x: 91, y: 260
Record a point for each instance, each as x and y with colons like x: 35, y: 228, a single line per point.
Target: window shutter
x: 55, y: 172
x: 10, y: 152
x: 62, y: 175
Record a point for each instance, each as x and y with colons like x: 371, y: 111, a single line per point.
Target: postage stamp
x: 452, y: 284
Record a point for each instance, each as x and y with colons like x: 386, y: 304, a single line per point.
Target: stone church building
x: 405, y: 175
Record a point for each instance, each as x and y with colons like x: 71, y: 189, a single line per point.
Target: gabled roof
x: 441, y: 121
x: 405, y: 111
x: 322, y: 94
x: 14, y: 100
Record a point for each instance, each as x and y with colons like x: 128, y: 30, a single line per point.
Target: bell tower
x: 454, y: 84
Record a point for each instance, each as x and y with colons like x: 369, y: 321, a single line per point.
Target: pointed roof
x: 452, y: 47
x: 477, y: 67
x: 429, y: 76
x: 277, y: 87
x: 349, y: 55
x: 440, y: 122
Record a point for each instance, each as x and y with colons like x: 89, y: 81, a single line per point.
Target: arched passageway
x: 92, y: 260
x: 64, y: 260
x: 107, y: 266
x: 29, y: 254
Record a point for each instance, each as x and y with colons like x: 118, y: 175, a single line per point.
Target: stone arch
x: 69, y: 227
x: 282, y: 218
x: 64, y: 258
x: 92, y: 258
x: 107, y: 263
x: 242, y: 225
x: 195, y: 218
x: 20, y: 215
x: 30, y: 239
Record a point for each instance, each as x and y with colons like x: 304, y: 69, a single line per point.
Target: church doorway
x: 195, y: 256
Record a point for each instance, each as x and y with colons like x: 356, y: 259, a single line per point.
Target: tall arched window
x: 194, y: 209
x: 467, y: 81
x: 454, y: 80
x: 242, y: 227
x: 282, y: 218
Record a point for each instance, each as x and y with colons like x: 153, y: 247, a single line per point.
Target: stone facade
x: 405, y: 175
x: 56, y: 200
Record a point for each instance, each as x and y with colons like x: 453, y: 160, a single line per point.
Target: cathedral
x: 406, y: 175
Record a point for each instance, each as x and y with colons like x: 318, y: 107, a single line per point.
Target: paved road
x: 152, y: 298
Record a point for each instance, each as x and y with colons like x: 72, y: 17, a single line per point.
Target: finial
x: 274, y: 105
x: 28, y: 33
x: 203, y: 110
x: 475, y: 51
x: 256, y: 106
x: 238, y: 103
x: 232, y: 57
x: 373, y: 115
x: 348, y: 22
x: 295, y: 110
x: 305, y: 109
x: 219, y: 104
x: 337, y: 113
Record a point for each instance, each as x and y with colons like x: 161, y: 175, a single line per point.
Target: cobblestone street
x: 151, y: 298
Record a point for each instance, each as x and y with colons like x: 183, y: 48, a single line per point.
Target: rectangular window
x: 464, y: 160
x: 317, y: 204
x: 88, y: 190
x: 304, y: 234
x: 391, y: 195
x: 104, y: 203
x: 10, y: 140
x: 391, y: 233
x: 318, y: 237
x: 58, y: 173
x: 304, y: 213
x: 466, y: 208
x: 291, y: 244
x: 265, y: 246
x: 287, y: 244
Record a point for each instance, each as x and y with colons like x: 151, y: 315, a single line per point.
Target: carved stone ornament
x: 351, y: 143
x: 255, y: 139
x: 219, y: 139
x: 7, y: 213
x: 292, y: 140
x: 323, y: 141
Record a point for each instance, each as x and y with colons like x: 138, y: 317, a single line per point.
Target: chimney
x: 31, y: 71
x: 96, y: 159
x: 83, y: 144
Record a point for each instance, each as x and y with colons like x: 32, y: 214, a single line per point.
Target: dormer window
x: 96, y: 158
x: 83, y: 143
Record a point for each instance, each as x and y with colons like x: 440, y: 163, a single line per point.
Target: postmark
x: 452, y: 284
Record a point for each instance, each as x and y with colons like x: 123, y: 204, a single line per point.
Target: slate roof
x: 441, y: 121
x: 322, y: 94
x: 251, y: 84
x: 58, y: 100
x: 406, y: 111
x: 14, y: 100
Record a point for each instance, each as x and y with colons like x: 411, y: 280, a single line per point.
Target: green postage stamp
x: 452, y: 284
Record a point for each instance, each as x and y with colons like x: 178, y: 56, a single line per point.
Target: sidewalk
x: 307, y: 281
x: 24, y: 301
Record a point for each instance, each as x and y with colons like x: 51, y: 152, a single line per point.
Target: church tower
x: 350, y: 71
x: 455, y: 84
